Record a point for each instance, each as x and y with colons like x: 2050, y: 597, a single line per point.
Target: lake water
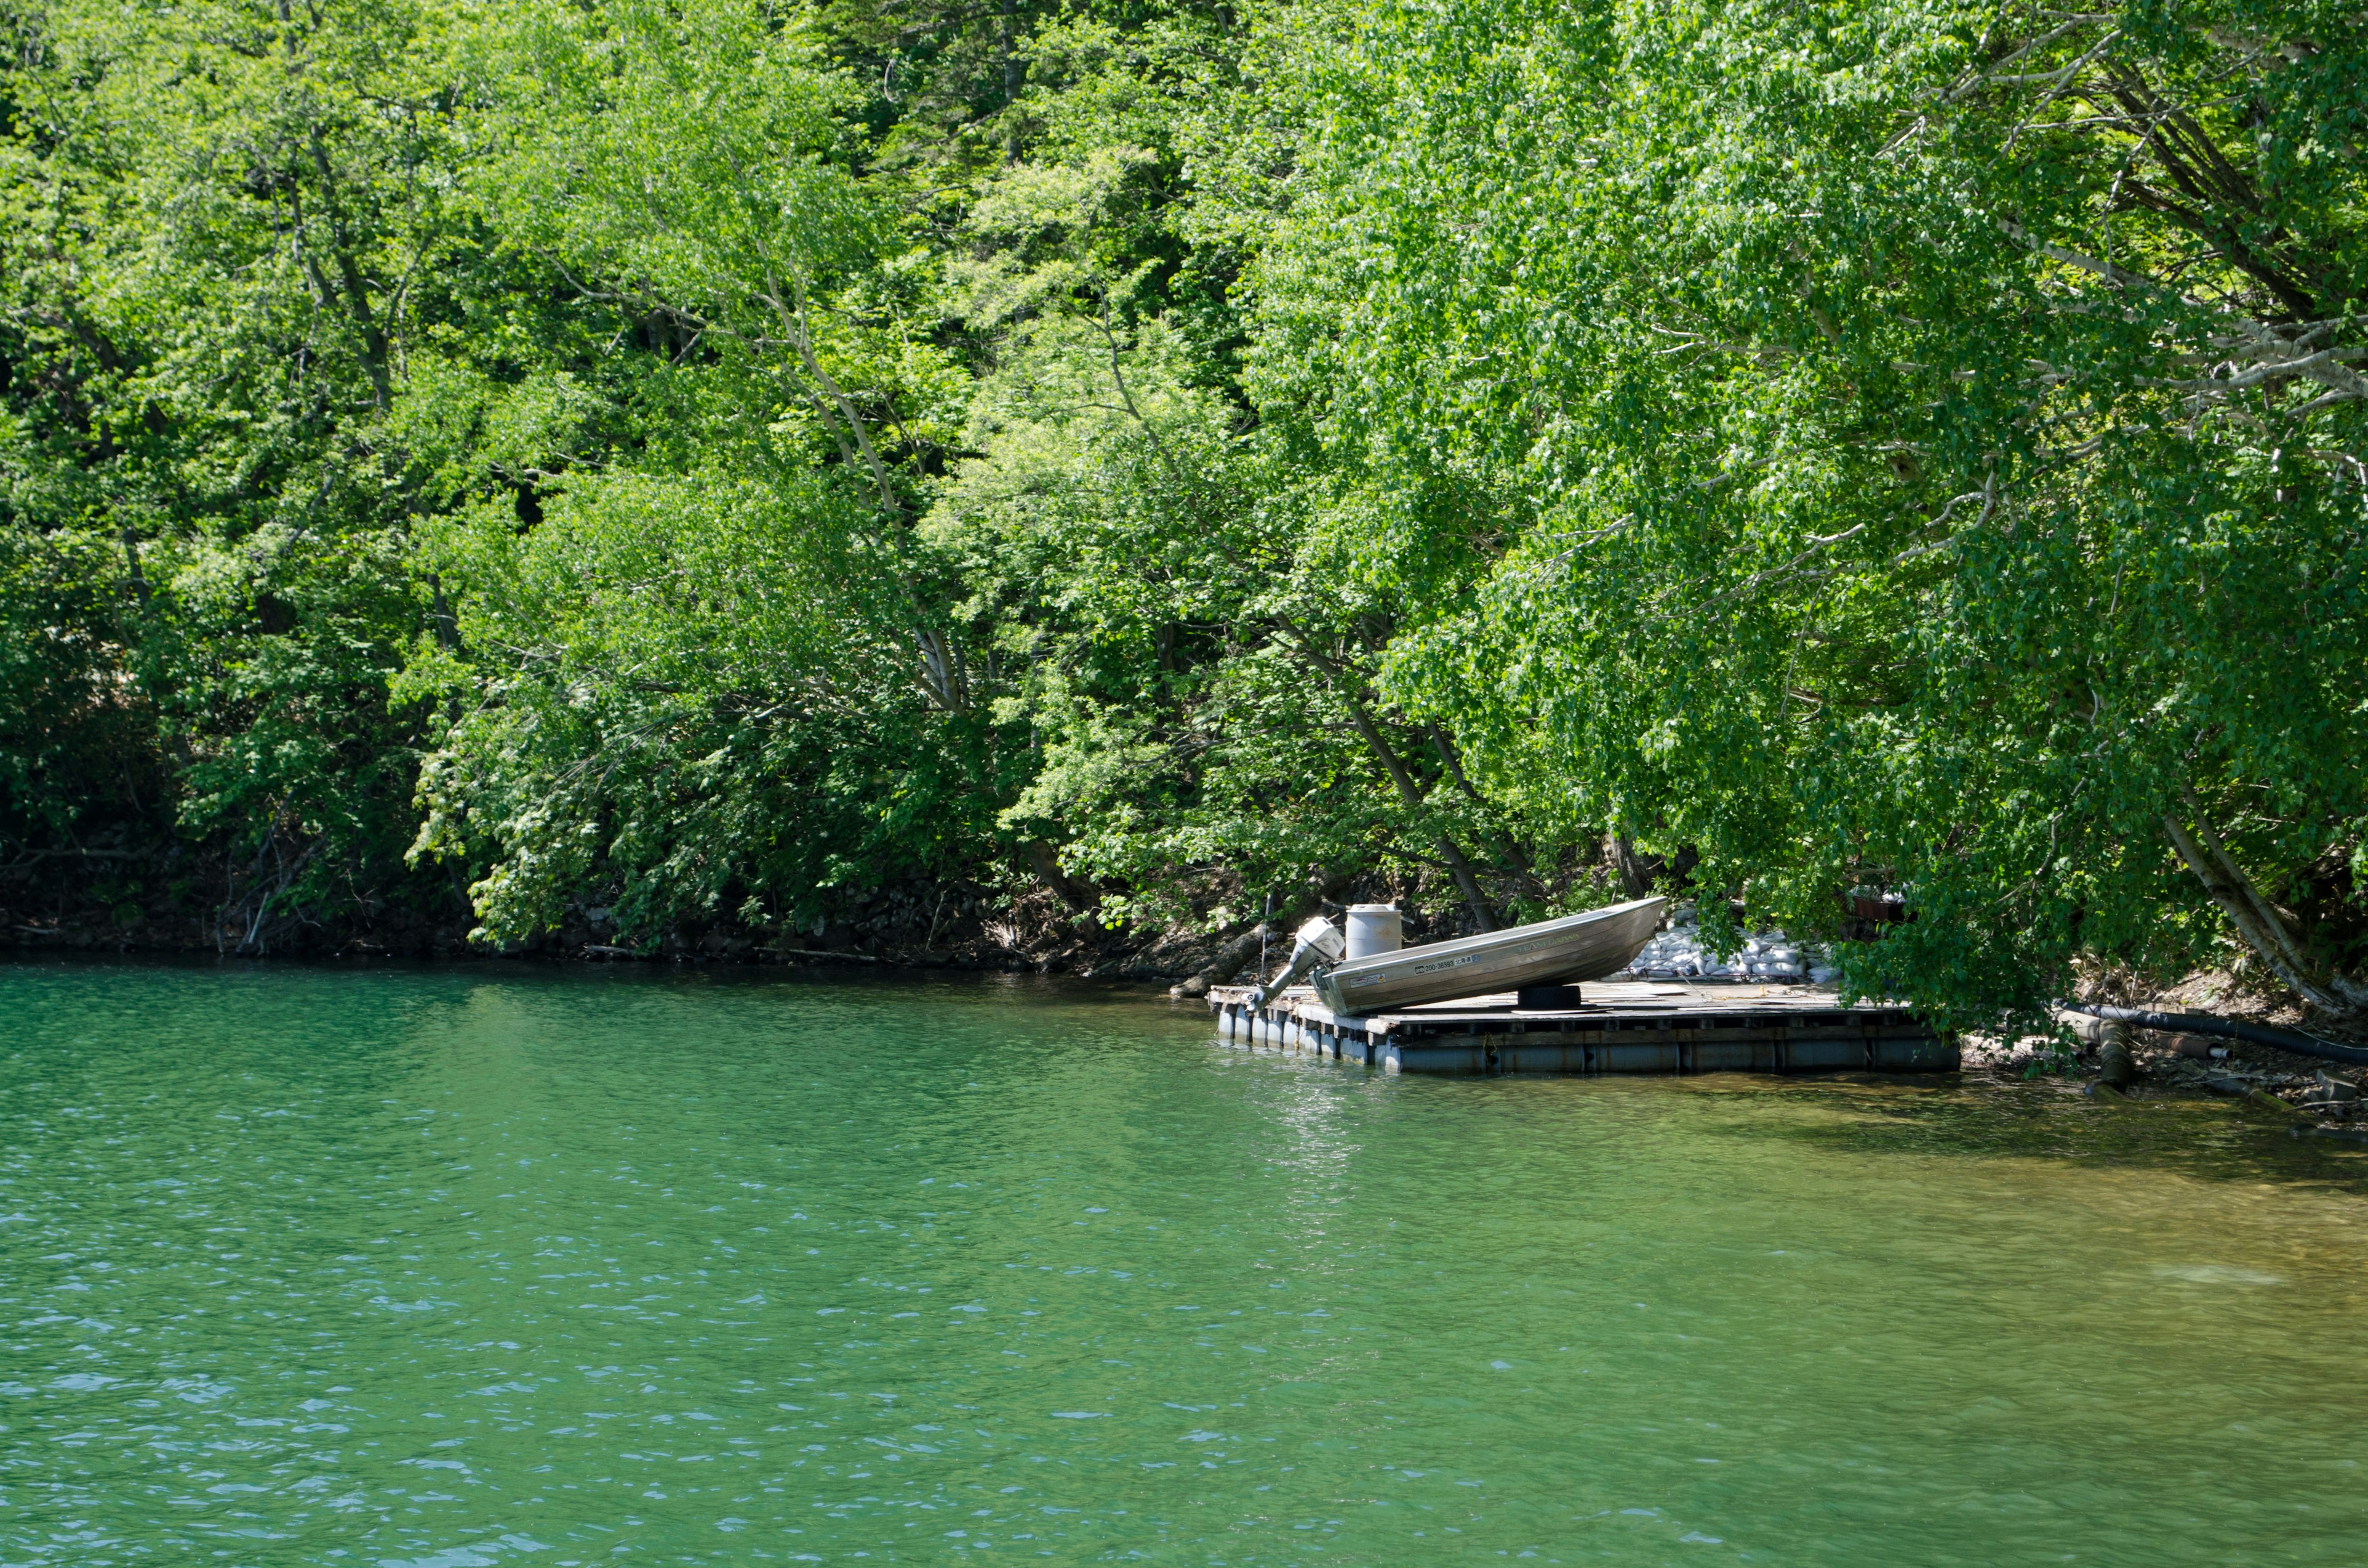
x: 477, y: 1267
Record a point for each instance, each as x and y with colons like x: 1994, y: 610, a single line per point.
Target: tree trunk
x: 1467, y: 882
x: 1516, y: 860
x: 942, y: 675
x: 2259, y: 923
x: 1635, y: 875
x: 1226, y: 964
x: 448, y: 625
x: 1075, y: 892
x: 376, y: 357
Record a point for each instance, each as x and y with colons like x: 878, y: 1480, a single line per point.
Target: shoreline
x: 974, y: 927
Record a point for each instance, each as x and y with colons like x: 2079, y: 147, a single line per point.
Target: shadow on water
x: 1973, y: 1119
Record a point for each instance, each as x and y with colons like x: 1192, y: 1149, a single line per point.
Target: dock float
x: 1617, y: 1028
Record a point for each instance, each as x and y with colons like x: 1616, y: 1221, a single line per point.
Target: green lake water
x: 490, y: 1265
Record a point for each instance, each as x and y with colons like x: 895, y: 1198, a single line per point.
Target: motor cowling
x: 1317, y: 941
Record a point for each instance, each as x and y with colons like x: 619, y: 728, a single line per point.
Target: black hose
x: 2229, y: 1029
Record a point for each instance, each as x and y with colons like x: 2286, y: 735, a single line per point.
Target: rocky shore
x: 2118, y: 1064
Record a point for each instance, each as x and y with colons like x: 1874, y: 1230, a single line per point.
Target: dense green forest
x: 700, y: 461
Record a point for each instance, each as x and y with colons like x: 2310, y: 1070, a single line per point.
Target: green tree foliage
x: 1936, y: 436
x: 670, y: 699
x: 223, y: 224
x: 1548, y: 451
x: 1164, y: 565
x: 713, y: 675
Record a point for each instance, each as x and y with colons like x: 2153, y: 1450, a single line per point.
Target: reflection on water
x: 2217, y: 1274
x: 485, y: 1267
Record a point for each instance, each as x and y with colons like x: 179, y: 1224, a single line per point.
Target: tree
x: 224, y: 219
x: 1940, y: 456
x: 712, y: 676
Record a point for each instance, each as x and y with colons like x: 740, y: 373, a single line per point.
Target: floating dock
x: 1619, y: 1026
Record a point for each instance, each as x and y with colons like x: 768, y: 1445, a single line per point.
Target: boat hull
x: 1575, y: 947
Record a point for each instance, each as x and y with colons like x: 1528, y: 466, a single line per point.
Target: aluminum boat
x: 1573, y: 949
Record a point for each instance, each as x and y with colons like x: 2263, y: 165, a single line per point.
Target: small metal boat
x: 1575, y: 947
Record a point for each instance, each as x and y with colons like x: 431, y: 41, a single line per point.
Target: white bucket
x: 1374, y: 929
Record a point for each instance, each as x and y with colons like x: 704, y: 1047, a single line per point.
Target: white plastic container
x: 1374, y: 929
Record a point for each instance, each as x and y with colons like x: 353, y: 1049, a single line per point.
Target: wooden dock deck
x: 1624, y: 1026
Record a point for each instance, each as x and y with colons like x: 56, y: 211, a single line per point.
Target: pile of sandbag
x: 1677, y: 953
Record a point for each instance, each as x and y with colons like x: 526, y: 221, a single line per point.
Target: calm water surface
x: 442, y: 1268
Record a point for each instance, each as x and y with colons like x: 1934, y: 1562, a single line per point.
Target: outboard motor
x: 1316, y: 942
